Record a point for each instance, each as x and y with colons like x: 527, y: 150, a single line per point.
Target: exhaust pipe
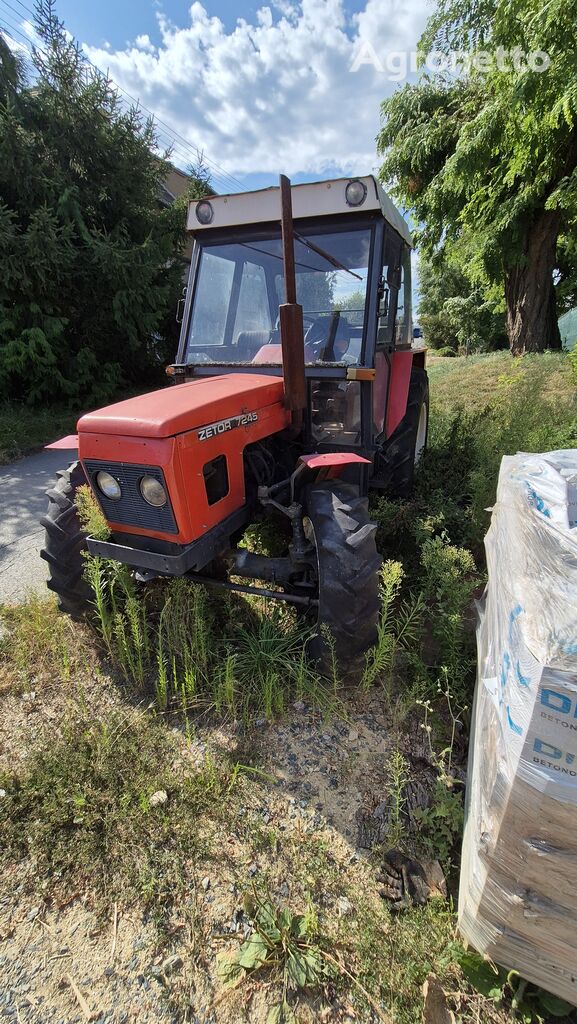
x: 291, y: 318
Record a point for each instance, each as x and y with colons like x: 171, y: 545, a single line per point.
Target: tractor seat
x: 273, y: 354
x: 248, y: 344
x: 268, y: 354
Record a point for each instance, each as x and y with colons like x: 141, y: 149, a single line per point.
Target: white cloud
x: 14, y: 45
x: 275, y: 94
x: 29, y: 30
x: 142, y: 42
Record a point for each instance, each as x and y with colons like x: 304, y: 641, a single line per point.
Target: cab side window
x: 403, y: 323
x: 389, y: 289
x: 400, y: 317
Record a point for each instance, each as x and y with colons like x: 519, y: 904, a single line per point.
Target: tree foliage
x: 456, y: 314
x: 89, y: 256
x: 12, y: 71
x: 487, y: 160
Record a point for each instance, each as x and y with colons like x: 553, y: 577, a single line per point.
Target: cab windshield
x: 239, y: 286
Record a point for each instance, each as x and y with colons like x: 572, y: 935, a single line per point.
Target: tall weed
x: 121, y: 616
x: 185, y: 644
x: 195, y: 651
x: 398, y: 629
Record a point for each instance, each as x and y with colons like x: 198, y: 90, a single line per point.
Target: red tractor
x: 297, y: 389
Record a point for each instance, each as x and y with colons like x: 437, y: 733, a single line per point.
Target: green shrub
x: 572, y: 360
x: 449, y: 579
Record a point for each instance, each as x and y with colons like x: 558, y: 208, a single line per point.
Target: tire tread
x: 65, y: 542
x: 348, y: 562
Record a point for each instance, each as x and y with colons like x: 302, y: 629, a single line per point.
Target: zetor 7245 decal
x: 296, y: 389
x: 242, y: 420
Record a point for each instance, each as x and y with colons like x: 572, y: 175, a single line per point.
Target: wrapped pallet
x: 518, y: 890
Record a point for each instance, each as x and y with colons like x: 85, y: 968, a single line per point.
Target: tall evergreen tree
x: 89, y: 255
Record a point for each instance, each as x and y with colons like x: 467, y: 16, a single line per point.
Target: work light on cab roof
x: 295, y: 390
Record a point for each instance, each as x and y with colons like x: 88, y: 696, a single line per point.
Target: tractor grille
x: 131, y: 509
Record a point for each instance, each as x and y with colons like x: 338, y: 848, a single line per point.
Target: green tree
x: 566, y: 273
x: 356, y: 300
x: 455, y: 313
x: 487, y: 161
x: 90, y: 257
x: 12, y: 71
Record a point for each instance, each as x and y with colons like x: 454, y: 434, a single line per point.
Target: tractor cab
x: 352, y: 271
x: 298, y: 390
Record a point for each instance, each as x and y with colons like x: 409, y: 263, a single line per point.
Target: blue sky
x: 257, y: 88
x: 119, y: 24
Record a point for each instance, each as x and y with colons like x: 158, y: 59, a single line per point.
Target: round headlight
x: 152, y: 491
x: 108, y: 485
x: 356, y: 192
x: 204, y: 212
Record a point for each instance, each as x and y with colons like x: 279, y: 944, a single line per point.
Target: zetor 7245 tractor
x: 296, y: 390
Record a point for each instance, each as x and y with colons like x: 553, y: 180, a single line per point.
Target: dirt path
x: 22, y: 502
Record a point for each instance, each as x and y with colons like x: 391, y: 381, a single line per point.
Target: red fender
x: 70, y: 441
x: 401, y: 366
x: 329, y: 463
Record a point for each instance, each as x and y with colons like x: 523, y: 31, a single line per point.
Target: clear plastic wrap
x: 518, y: 889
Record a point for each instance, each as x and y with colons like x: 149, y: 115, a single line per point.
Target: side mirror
x: 180, y: 306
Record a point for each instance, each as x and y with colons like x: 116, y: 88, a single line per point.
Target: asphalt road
x: 22, y: 503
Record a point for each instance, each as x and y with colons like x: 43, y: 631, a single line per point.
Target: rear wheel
x: 337, y: 524
x: 403, y: 450
x: 65, y: 543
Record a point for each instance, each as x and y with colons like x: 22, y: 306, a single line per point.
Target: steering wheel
x: 318, y: 337
x: 307, y: 320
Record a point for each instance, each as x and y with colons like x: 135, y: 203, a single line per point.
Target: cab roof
x: 313, y: 199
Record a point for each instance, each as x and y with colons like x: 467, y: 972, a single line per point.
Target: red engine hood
x: 173, y: 410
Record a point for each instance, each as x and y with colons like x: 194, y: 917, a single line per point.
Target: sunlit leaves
x: 477, y: 156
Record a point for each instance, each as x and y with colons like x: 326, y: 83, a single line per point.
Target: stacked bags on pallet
x: 518, y: 889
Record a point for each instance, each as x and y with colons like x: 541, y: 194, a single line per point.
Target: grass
x: 472, y: 383
x: 394, y: 955
x: 24, y: 429
x: 38, y: 644
x: 84, y: 809
x: 482, y: 408
x: 197, y: 652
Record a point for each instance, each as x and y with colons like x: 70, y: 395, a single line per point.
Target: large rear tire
x: 337, y: 523
x: 65, y: 542
x: 403, y: 450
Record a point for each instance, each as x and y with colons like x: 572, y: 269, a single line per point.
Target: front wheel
x: 347, y: 567
x: 65, y: 543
